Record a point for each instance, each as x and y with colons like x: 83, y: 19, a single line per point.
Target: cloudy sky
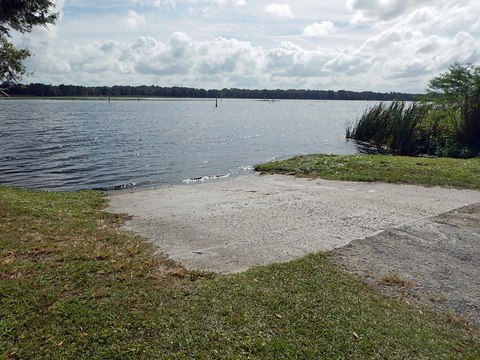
x: 377, y: 45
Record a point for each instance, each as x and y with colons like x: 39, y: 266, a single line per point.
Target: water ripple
x: 72, y: 145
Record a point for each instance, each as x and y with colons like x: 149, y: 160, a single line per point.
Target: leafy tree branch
x: 21, y: 16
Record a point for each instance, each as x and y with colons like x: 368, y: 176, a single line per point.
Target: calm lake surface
x: 71, y: 145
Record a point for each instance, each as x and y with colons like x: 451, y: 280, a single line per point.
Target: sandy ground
x: 230, y: 226
x: 425, y: 238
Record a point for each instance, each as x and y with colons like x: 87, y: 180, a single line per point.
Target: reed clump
x: 411, y: 129
x: 446, y: 123
x: 396, y: 126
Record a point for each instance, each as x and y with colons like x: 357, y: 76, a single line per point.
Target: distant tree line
x: 37, y: 89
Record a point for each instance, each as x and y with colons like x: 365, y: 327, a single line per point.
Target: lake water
x: 71, y: 145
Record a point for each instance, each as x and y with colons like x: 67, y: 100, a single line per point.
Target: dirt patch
x: 434, y: 261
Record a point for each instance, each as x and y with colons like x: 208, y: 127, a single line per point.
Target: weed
x: 397, y: 280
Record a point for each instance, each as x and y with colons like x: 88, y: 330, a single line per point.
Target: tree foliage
x: 457, y: 92
x: 11, y: 66
x: 21, y: 16
x: 185, y: 92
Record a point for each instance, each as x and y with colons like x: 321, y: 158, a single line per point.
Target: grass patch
x: 446, y: 172
x: 74, y: 286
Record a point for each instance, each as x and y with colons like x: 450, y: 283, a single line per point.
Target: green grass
x: 445, y: 172
x: 74, y: 286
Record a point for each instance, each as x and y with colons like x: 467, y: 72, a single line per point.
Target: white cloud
x: 382, y: 62
x: 279, y: 10
x: 429, y: 45
x: 159, y: 4
x: 373, y: 10
x: 58, y: 5
x: 319, y: 29
x: 397, y: 47
x: 182, y: 56
x: 232, y: 2
x: 348, y: 63
x: 134, y: 20
x: 476, y: 26
x: 386, y: 39
x: 292, y: 61
x: 442, y: 17
x: 196, y: 4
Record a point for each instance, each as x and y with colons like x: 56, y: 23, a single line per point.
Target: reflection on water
x: 72, y: 145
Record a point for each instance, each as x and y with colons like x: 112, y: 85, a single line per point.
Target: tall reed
x: 394, y: 126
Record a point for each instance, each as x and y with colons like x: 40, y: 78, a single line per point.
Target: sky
x: 357, y: 45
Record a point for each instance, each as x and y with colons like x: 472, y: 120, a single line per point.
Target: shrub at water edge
x: 394, y: 126
x: 447, y: 123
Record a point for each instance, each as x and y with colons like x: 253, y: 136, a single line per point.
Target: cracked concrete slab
x: 435, y: 261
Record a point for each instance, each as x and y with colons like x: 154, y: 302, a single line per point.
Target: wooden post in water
x: 216, y: 102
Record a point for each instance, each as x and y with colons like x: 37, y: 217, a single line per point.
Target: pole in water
x: 216, y: 102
